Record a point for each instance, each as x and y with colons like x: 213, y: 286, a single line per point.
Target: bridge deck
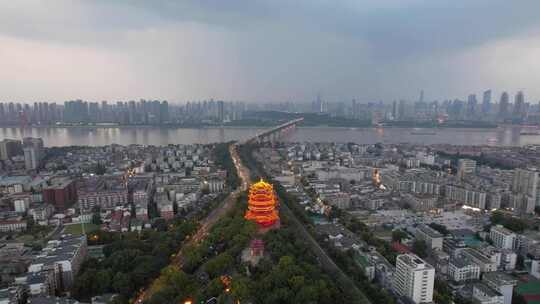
x: 277, y: 128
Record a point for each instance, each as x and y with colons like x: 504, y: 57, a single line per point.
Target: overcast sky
x: 273, y: 50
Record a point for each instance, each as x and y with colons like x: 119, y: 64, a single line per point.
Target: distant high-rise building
x: 504, y: 104
x: 456, y: 109
x: 33, y: 152
x: 486, y: 102
x: 525, y: 182
x: 132, y: 112
x: 221, y: 110
x: 31, y: 158
x: 2, y: 112
x: 519, y: 105
x: 524, y: 194
x: 421, y: 99
x: 93, y: 112
x: 414, y: 278
x: 164, y: 112
x: 394, y: 110
x: 319, y: 105
x: 472, y: 104
x: 402, y: 110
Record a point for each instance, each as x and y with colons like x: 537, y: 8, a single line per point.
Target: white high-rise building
x: 467, y: 195
x: 525, y: 182
x: 502, y: 237
x: 33, y: 152
x: 522, y: 203
x: 414, y: 278
x: 31, y: 158
x: 525, y: 189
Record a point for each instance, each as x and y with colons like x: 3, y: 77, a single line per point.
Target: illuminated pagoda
x: 262, y: 204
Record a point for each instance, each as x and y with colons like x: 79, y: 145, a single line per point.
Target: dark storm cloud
x: 268, y: 50
x: 399, y: 26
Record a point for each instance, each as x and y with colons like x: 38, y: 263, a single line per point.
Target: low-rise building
x: 433, y: 238
x: 106, y: 193
x: 41, y: 213
x: 467, y: 195
x: 501, y: 282
x: 60, y: 192
x: 462, y: 269
x: 453, y: 246
x: 341, y: 200
x: 214, y: 185
x: 482, y: 294
x: 485, y: 263
x: 12, y: 295
x: 367, y: 267
x: 508, y: 259
x: 165, y: 206
x: 21, y: 202
x: 60, y: 260
x: 12, y: 224
x: 421, y: 202
x: 140, y: 191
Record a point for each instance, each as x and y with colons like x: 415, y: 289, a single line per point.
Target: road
x: 219, y: 211
x: 55, y: 234
x: 207, y: 223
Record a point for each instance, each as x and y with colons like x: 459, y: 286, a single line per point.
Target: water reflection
x: 506, y: 136
x: 128, y: 135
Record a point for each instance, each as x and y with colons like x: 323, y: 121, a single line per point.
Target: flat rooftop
x: 429, y: 231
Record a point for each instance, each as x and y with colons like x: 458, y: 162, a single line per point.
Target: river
x: 61, y: 136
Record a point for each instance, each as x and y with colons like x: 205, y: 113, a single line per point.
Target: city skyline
x: 266, y: 51
x: 212, y: 111
x: 494, y: 97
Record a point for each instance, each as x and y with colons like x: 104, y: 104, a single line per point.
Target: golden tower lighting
x: 262, y: 204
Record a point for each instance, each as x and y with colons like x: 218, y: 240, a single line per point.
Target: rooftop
x: 500, y: 278
x: 414, y: 261
x: 6, y: 181
x: 477, y: 255
x: 58, y: 182
x: 502, y: 230
x: 429, y: 231
x: 51, y: 300
x: 461, y: 262
x: 488, y: 292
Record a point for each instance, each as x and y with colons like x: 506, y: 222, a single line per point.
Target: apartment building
x: 414, y: 278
